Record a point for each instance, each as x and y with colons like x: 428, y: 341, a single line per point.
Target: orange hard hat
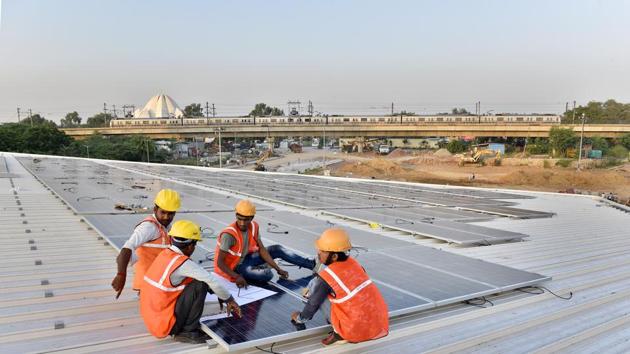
x: 245, y: 208
x: 334, y: 240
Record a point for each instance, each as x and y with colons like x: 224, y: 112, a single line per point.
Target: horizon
x: 352, y: 57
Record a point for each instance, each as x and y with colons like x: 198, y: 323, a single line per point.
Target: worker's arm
x: 190, y: 269
x: 143, y: 233
x: 264, y: 254
x: 315, y: 300
x: 226, y: 241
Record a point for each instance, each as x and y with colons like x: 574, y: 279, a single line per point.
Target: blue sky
x: 58, y: 56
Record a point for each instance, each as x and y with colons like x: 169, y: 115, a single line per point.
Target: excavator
x: 482, y: 157
x: 259, y: 163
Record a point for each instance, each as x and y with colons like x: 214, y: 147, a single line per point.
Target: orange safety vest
x: 157, y: 303
x: 358, y: 311
x: 234, y: 253
x: 147, y: 252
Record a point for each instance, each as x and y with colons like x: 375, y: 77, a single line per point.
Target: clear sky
x: 57, y: 56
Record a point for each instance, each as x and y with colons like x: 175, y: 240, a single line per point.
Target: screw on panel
x: 48, y: 293
x: 24, y: 222
x: 38, y: 262
x: 30, y: 242
x: 33, y: 248
x: 99, y: 238
x: 59, y: 325
x: 89, y: 228
x: 45, y: 282
x: 28, y: 231
x: 23, y: 215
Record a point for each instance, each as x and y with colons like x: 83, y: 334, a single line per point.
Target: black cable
x: 552, y: 293
x: 479, y: 302
x: 403, y: 221
x: 273, y: 229
x: 270, y: 350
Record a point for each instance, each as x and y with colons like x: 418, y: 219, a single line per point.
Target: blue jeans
x: 250, y: 267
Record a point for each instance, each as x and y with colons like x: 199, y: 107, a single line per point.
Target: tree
x: 625, y: 141
x: 456, y: 146
x: 459, y: 111
x: 262, y: 109
x: 99, y: 120
x: 609, y: 112
x: 37, y: 119
x: 561, y: 139
x: 193, y: 110
x: 72, y: 120
x: 41, y: 138
x: 599, y: 143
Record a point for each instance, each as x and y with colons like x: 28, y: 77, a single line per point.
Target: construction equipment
x: 295, y: 148
x: 481, y: 157
x: 259, y: 163
x: 358, y: 144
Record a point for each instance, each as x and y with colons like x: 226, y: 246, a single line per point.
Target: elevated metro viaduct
x: 340, y: 131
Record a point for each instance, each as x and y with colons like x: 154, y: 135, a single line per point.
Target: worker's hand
x: 294, y: 316
x: 306, y: 292
x: 119, y: 283
x: 233, y: 308
x: 240, y: 282
x: 283, y: 273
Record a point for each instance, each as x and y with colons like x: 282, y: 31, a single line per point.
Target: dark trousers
x: 189, y: 307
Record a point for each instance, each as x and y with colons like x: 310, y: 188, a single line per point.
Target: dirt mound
x: 398, y: 153
x: 374, y: 167
x: 560, y: 180
x: 442, y: 153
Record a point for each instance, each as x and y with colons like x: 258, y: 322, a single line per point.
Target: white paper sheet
x: 242, y: 296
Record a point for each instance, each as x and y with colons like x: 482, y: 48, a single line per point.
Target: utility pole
x: 220, y: 152
x: 214, y: 112
x: 392, y: 108
x: 207, y: 113
x: 573, y: 120
x: 18, y: 110
x: 88, y: 150
x: 104, y: 108
x: 115, y: 114
x: 581, y: 140
x: 30, y: 116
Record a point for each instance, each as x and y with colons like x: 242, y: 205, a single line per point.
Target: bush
x: 599, y: 143
x: 456, y: 146
x: 561, y: 139
x: 618, y: 151
x: 563, y: 163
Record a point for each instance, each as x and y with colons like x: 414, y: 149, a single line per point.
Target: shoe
x: 197, y: 337
x: 333, y: 338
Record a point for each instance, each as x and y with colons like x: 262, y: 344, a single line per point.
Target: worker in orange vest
x: 240, y: 252
x: 174, y: 289
x: 358, y: 312
x: 148, y: 239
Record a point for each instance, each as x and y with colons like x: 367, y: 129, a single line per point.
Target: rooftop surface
x: 57, y: 268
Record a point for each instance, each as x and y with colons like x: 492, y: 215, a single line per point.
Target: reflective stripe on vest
x: 349, y: 293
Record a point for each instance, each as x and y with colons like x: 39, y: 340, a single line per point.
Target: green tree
x: 99, y: 120
x: 538, y: 146
x: 609, y: 112
x: 456, y: 146
x: 561, y: 139
x: 262, y: 109
x: 42, y: 138
x: 193, y: 110
x: 37, y: 119
x: 599, y: 143
x: 625, y: 140
x: 459, y: 111
x: 618, y: 151
x: 72, y: 120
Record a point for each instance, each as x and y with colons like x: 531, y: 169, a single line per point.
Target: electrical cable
x: 403, y: 221
x: 479, y: 302
x: 270, y: 350
x: 569, y: 297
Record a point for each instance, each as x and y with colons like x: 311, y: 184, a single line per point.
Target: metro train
x: 543, y: 119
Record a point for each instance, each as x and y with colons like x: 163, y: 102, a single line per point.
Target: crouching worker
x: 240, y: 253
x: 358, y: 312
x: 174, y: 289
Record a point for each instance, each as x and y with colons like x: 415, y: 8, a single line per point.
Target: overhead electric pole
x: 30, y: 116
x: 214, y: 112
x: 573, y: 120
x: 18, y: 110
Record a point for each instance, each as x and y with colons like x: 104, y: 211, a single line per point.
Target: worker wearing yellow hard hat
x: 358, y: 311
x: 240, y: 252
x: 148, y: 239
x: 174, y: 289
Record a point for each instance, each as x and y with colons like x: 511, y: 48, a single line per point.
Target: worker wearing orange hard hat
x: 358, y: 311
x: 240, y: 253
x: 174, y: 289
x: 148, y: 239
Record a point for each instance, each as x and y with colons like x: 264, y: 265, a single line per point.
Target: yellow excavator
x: 259, y: 163
x: 482, y: 157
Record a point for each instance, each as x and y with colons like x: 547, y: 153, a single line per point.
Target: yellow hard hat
x: 185, y: 229
x: 246, y: 208
x: 333, y: 240
x: 168, y: 199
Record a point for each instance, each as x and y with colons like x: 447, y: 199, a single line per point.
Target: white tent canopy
x: 159, y: 106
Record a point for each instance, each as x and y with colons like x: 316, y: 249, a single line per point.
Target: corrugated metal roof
x: 584, y: 247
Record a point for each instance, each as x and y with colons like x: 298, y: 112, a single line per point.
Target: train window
x: 273, y: 120
x: 499, y: 119
x: 440, y: 119
x: 381, y: 119
x: 519, y: 119
x: 364, y: 119
x: 346, y: 119
x: 421, y: 119
x: 458, y: 119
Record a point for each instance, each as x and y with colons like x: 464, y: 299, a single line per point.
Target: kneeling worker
x: 358, y: 312
x: 174, y: 289
x: 240, y: 252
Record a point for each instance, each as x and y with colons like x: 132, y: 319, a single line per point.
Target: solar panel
x: 445, y: 230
